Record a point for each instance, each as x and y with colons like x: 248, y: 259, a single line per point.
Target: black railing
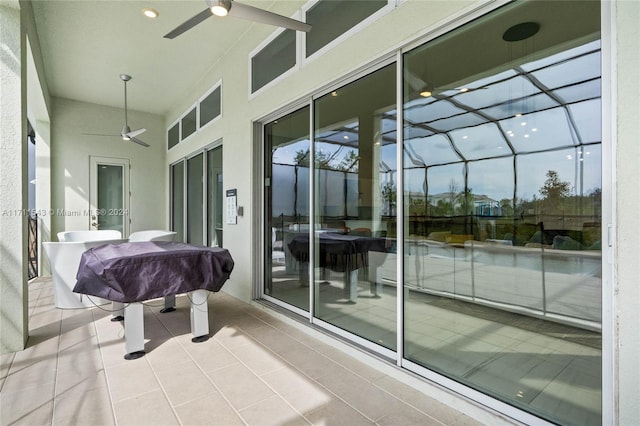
x: 33, y: 246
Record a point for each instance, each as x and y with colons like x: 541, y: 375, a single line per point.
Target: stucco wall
x: 391, y: 31
x: 13, y: 186
x: 627, y: 254
x: 70, y: 151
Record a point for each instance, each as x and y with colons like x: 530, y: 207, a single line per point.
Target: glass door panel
x: 502, y: 183
x: 109, y: 198
x: 287, y: 159
x: 355, y: 206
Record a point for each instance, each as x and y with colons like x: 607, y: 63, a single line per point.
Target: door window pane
x: 502, y: 265
x: 111, y: 197
x: 355, y: 203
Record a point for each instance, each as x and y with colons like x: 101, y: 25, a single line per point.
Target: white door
x: 109, y: 194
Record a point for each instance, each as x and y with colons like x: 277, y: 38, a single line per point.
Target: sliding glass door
x: 286, y: 194
x: 499, y: 190
x: 197, y: 198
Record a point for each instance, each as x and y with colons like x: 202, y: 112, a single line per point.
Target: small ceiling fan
x: 126, y: 134
x: 238, y: 10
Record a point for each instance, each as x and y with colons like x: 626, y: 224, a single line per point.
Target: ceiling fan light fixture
x: 149, y: 12
x: 220, y: 7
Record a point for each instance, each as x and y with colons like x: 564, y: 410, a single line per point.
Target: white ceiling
x: 87, y: 44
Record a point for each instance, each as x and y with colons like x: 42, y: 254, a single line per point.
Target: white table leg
x: 117, y: 311
x: 351, y: 285
x: 169, y: 304
x: 134, y: 330
x: 199, y: 315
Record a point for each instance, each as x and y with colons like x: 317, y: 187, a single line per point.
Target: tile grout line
x: 356, y: 374
x: 104, y: 368
x: 55, y: 380
x: 297, y: 370
x: 201, y: 370
x: 173, y: 408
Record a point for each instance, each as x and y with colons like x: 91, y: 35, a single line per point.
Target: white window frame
x: 179, y: 123
x: 217, y: 85
x: 391, y: 5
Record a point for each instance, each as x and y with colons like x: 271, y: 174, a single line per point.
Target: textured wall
x: 13, y: 175
x: 627, y: 255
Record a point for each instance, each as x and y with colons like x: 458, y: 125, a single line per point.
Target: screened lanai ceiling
x: 536, y: 106
x: 527, y: 96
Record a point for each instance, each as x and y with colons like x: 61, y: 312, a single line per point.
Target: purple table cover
x: 134, y: 272
x: 338, y: 252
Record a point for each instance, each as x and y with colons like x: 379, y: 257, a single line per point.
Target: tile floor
x: 259, y: 368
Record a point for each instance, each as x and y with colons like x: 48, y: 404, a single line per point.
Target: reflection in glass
x: 111, y: 197
x: 502, y: 184
x: 355, y: 205
x: 287, y: 159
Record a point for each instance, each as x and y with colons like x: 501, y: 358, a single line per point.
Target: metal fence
x: 33, y: 246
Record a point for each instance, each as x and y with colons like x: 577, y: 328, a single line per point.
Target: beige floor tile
x: 258, y: 359
x: 82, y: 405
x: 135, y: 377
x: 30, y: 406
x: 209, y: 355
x: 274, y: 339
x: 30, y: 375
x: 183, y: 382
x: 367, y: 398
x: 310, y: 362
x: 408, y: 417
x: 300, y: 391
x: 151, y: 408
x: 165, y: 355
x: 434, y: 408
x: 231, y: 337
x: 336, y: 413
x: 85, y: 371
x: 240, y: 386
x: 271, y: 412
x: 5, y: 363
x: 211, y: 409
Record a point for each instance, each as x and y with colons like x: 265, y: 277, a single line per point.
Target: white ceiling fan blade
x: 134, y: 133
x: 188, y: 24
x: 243, y: 11
x: 138, y: 141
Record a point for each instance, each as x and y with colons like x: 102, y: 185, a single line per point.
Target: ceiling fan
x: 238, y: 10
x: 126, y: 134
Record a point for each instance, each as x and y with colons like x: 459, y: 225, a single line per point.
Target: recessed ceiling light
x: 425, y: 93
x: 150, y: 13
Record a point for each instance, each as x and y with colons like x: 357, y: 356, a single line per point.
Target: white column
x: 13, y: 182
